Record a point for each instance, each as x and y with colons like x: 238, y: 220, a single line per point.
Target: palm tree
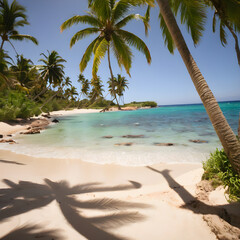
x: 122, y: 84
x: 227, y: 137
x: 12, y: 17
x: 108, y: 25
x: 97, y: 89
x: 118, y: 85
x: 24, y: 71
x: 85, y: 86
x: 52, y: 69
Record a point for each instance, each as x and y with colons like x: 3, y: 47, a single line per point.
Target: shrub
x: 15, y: 104
x: 219, y: 171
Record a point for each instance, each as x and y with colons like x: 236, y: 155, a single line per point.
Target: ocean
x: 132, y: 138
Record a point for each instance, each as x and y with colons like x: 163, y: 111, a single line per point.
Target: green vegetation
x: 14, y: 104
x: 141, y: 104
x: 219, y: 171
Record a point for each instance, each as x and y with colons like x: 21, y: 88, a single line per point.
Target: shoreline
x: 14, y: 127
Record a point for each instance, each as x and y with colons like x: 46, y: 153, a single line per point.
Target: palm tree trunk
x: 227, y: 137
x: 112, y: 77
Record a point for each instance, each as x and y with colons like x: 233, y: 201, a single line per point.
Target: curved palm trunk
x: 228, y: 139
x: 114, y: 92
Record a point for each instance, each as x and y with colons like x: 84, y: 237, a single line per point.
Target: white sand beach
x: 71, y: 199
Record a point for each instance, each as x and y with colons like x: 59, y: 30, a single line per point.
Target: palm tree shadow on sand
x: 226, y: 212
x: 26, y: 196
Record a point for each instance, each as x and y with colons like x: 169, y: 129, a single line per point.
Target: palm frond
x: 146, y: 20
x: 193, y: 14
x: 87, y: 19
x: 136, y: 42
x: 22, y: 37
x: 81, y: 34
x: 127, y: 19
x: 99, y: 55
x: 87, y: 55
x: 101, y: 8
x: 214, y: 22
x: 168, y: 41
x: 120, y: 9
x: 223, y: 34
x: 21, y: 23
x: 122, y: 52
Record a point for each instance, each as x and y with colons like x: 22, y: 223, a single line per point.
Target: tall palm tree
x: 52, y: 68
x: 227, y: 137
x: 11, y: 17
x: 108, y: 25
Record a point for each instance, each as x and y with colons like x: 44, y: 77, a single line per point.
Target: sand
x: 44, y: 198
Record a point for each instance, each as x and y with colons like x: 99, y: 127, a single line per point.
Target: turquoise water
x: 81, y: 136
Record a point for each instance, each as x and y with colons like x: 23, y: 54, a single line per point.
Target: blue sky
x: 165, y: 81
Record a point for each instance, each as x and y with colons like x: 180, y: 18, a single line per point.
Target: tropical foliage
x: 219, y: 171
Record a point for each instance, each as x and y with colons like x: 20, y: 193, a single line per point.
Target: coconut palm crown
x: 52, y: 68
x: 108, y: 25
x: 11, y: 17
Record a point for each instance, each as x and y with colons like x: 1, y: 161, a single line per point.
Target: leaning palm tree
x: 11, y: 17
x: 108, y: 25
x: 227, y: 137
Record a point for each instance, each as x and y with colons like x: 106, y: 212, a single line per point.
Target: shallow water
x: 81, y: 136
